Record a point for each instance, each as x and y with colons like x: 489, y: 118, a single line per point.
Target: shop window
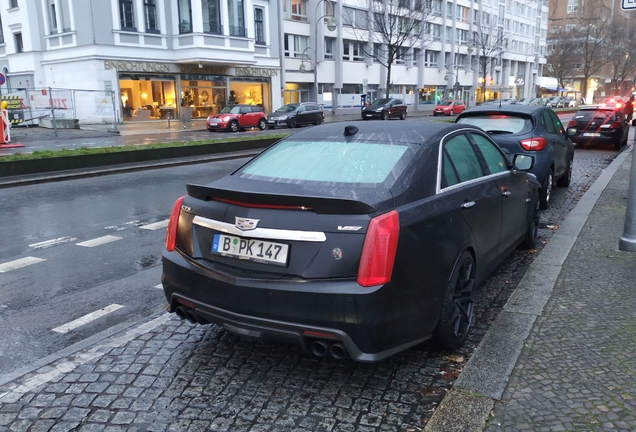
x: 236, y: 15
x: 150, y: 9
x: 185, y: 16
x: 211, y: 16
x: 19, y: 46
x: 259, y: 26
x: 127, y: 15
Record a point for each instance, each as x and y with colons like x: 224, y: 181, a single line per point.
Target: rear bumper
x: 364, y: 320
x: 603, y: 139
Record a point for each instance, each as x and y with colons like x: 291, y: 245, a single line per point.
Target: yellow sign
x: 13, y: 102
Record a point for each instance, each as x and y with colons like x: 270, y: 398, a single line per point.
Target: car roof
x: 507, y: 108
x: 427, y: 133
x: 597, y: 108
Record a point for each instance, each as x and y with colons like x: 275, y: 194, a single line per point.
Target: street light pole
x: 331, y: 26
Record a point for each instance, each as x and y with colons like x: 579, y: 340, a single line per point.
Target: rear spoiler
x: 322, y: 205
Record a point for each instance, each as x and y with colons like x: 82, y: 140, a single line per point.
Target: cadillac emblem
x: 245, y: 224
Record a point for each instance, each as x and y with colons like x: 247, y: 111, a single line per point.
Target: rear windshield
x: 499, y: 123
x: 360, y: 163
x: 593, y: 114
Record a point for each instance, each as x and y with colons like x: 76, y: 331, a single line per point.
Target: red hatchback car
x: 449, y: 107
x: 237, y: 117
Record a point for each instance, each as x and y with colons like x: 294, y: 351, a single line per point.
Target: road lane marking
x: 54, y: 242
x: 87, y: 318
x: 123, y: 226
x: 160, y: 286
x: 19, y: 263
x: 36, y: 146
x: 156, y: 225
x: 46, y: 375
x: 99, y: 241
x: 64, y: 145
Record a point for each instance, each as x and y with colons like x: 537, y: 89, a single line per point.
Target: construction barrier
x: 5, y: 137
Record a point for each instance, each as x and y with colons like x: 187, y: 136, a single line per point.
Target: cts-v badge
x: 245, y: 224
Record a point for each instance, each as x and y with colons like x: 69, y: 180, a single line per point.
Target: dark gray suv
x: 296, y: 114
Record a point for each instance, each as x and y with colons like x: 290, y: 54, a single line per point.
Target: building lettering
x: 131, y: 66
x: 196, y: 69
x: 255, y: 72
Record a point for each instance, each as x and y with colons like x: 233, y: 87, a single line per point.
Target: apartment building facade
x: 336, y: 65
x: 156, y: 55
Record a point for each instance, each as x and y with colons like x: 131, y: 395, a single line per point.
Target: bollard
x: 168, y: 117
x: 628, y: 239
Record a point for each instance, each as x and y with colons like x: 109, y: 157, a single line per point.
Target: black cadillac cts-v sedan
x: 352, y: 241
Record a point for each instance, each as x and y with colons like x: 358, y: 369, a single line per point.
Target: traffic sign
x: 628, y: 5
x: 2, y: 79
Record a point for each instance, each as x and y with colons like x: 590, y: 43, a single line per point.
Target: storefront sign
x: 131, y: 66
x: 255, y: 72
x: 202, y: 69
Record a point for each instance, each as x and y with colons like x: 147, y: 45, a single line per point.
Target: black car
x: 296, y: 114
x: 385, y: 109
x: 357, y: 240
x: 599, y: 125
x: 531, y: 130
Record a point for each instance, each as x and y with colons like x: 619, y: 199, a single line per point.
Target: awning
x: 548, y: 83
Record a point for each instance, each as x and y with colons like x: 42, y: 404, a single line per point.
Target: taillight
x: 173, y: 224
x: 616, y: 125
x: 378, y: 252
x: 534, y: 144
x: 618, y: 105
x: 572, y: 123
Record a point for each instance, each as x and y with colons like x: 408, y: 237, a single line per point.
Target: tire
x: 546, y: 192
x: 318, y: 120
x: 403, y: 116
x: 291, y: 123
x: 458, y: 305
x: 532, y: 234
x: 262, y: 124
x: 234, y: 126
x: 385, y: 115
x: 565, y: 180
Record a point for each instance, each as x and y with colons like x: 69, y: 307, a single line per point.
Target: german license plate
x: 367, y: 115
x: 271, y: 121
x: 591, y: 134
x: 250, y: 249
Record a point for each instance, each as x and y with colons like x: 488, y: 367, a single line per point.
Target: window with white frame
x: 356, y: 18
x: 259, y: 26
x: 13, y: 4
x: 435, y: 6
x: 573, y: 6
x: 357, y: 51
x: 463, y: 14
x: 127, y: 15
x: 378, y: 52
x: 346, y: 50
x: 329, y: 44
x: 431, y: 58
x: 150, y: 13
x: 485, y: 18
x: 449, y: 10
x: 211, y: 13
x: 538, y: 25
x: 507, y: 24
x: 570, y: 27
x: 52, y: 13
x: 185, y: 16
x: 401, y: 55
x: 434, y: 30
x: 295, y: 10
x: 296, y: 46
x: 1, y: 32
x: 502, y: 14
x: 462, y: 35
x: 236, y: 18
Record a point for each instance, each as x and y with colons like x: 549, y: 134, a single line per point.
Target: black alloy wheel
x: 532, y: 234
x: 317, y: 120
x: 234, y: 126
x: 546, y: 193
x: 566, y: 179
x: 385, y: 115
x: 262, y: 124
x: 403, y: 115
x: 291, y: 123
x: 458, y: 306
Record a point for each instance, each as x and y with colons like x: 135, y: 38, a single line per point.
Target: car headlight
x: 379, y: 109
x: 282, y: 118
x: 226, y: 118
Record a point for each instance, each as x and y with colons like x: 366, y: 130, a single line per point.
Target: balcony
x: 238, y: 31
x: 212, y: 28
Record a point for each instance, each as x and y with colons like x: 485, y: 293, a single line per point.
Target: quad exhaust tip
x: 321, y: 348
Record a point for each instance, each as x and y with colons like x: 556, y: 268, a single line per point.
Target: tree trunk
x: 388, y: 80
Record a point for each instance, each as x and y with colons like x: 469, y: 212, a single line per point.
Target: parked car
x: 296, y: 114
x: 358, y: 239
x: 237, y: 118
x: 524, y: 101
x: 599, y: 125
x: 530, y: 130
x: 504, y: 101
x: 555, y: 102
x: 569, y: 102
x: 385, y: 109
x: 449, y: 107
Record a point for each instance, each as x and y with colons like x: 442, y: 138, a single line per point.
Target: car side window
x: 256, y: 109
x: 245, y: 110
x: 398, y: 102
x: 558, y: 127
x: 495, y: 160
x: 302, y: 108
x: 460, y: 161
x: 547, y: 121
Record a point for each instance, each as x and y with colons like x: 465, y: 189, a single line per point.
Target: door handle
x: 468, y: 204
x: 506, y: 193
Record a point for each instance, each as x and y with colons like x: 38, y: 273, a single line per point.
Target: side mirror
x: 570, y: 132
x: 523, y: 162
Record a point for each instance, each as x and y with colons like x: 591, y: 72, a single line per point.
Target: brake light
x: 173, y: 224
x: 378, y: 252
x: 618, y: 105
x: 572, y: 123
x: 533, y: 144
x: 616, y: 124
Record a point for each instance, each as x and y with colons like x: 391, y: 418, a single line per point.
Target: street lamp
x: 331, y: 26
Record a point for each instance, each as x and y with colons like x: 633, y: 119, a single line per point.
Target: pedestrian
x: 628, y: 110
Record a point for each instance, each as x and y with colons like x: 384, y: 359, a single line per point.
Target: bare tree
x: 389, y: 31
x: 488, y: 42
x: 561, y: 55
x: 591, y: 47
x: 621, y: 53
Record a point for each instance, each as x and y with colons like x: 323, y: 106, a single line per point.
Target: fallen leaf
x: 430, y: 390
x: 457, y: 358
